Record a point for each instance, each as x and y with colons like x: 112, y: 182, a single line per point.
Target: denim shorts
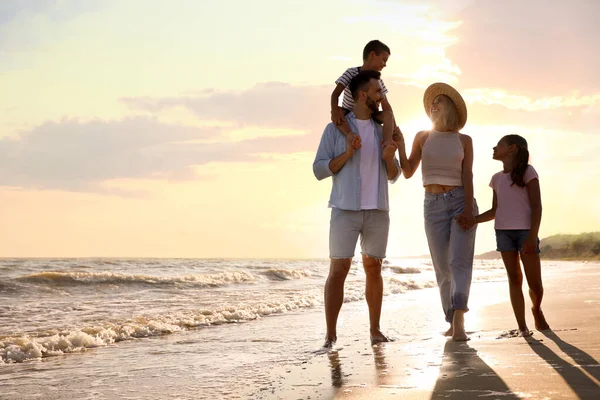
x: 512, y: 240
x: 346, y: 226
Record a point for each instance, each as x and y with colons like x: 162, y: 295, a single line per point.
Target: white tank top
x: 442, y: 159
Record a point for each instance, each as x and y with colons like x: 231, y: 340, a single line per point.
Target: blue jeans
x: 451, y: 248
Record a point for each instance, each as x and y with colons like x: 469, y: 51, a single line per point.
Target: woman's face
x: 438, y: 107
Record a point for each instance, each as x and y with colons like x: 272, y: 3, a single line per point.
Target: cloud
x: 529, y: 48
x: 272, y: 104
x: 81, y: 156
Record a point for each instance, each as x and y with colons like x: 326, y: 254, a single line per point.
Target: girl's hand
x: 465, y: 220
x: 529, y: 245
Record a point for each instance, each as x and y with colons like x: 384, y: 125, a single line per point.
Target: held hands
x: 398, y: 138
x: 466, y: 220
x: 389, y: 149
x: 529, y: 245
x: 353, y: 143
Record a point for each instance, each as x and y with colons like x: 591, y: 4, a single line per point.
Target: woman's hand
x: 465, y: 219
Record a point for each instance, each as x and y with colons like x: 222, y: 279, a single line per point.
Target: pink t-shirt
x: 514, y: 208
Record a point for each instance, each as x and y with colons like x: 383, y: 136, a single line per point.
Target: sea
x: 110, y: 322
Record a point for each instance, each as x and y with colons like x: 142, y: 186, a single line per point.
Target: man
x: 359, y: 200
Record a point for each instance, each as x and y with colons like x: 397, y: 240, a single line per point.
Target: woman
x: 449, y: 207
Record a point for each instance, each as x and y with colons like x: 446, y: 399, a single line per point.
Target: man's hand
x: 398, y: 138
x: 388, y: 151
x: 353, y: 143
x: 337, y: 115
x: 529, y: 245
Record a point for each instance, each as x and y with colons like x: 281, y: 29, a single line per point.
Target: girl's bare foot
x: 525, y: 332
x: 540, y: 320
x: 450, y: 331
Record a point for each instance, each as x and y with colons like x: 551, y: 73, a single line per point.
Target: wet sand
x: 494, y: 364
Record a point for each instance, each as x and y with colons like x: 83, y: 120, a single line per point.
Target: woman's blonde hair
x: 449, y: 121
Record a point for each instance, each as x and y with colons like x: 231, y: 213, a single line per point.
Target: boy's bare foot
x: 378, y: 337
x: 540, y: 320
x: 450, y: 331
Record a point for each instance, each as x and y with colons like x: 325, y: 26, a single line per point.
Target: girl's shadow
x: 580, y: 383
x: 464, y: 375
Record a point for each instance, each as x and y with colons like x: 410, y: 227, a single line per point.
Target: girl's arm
x: 489, y: 214
x: 409, y: 165
x: 535, y: 199
x: 467, y: 174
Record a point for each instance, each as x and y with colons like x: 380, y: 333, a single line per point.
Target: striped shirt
x: 344, y: 80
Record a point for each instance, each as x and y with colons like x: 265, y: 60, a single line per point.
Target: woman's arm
x: 409, y: 165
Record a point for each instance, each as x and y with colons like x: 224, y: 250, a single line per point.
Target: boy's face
x: 379, y: 61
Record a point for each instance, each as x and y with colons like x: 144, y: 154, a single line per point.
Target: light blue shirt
x: 345, y: 193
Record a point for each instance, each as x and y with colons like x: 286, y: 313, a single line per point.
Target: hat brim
x: 439, y: 88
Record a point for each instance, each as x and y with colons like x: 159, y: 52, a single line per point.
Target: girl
x: 517, y: 209
x: 449, y: 206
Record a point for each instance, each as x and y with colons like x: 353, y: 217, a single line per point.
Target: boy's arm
x: 385, y: 105
x: 336, y: 111
x: 489, y: 214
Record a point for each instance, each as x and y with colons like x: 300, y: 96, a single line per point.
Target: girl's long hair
x: 521, y: 159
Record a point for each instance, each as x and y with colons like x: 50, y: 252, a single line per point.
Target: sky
x: 186, y: 128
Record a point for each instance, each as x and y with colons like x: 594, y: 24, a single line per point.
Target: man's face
x: 374, y: 95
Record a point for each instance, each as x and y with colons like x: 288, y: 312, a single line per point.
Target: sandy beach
x: 422, y: 364
x: 275, y: 357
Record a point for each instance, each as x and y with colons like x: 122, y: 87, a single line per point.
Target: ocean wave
x: 14, y: 349
x: 92, y: 278
x: 405, y: 270
x: 286, y: 274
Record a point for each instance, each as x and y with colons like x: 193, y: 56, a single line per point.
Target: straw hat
x: 442, y: 88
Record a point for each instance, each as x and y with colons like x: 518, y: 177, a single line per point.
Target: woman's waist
x: 435, y: 189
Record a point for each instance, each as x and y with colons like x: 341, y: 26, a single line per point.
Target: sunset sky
x: 187, y: 128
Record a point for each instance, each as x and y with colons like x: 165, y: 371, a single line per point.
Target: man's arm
x: 326, y: 162
x: 391, y: 163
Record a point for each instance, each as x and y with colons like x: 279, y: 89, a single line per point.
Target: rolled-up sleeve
x: 325, y: 153
x: 394, y: 179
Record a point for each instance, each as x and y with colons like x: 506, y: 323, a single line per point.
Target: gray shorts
x: 346, y: 226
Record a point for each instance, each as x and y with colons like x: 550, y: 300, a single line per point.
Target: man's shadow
x: 580, y: 383
x: 465, y: 375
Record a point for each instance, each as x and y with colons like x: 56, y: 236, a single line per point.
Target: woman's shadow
x: 465, y: 375
x: 580, y: 383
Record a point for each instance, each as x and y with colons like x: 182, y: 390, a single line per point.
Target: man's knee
x: 372, y: 265
x: 339, y: 268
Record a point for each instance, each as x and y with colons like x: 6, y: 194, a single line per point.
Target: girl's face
x: 502, y: 150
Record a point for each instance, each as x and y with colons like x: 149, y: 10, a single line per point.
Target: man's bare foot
x: 450, y: 331
x: 378, y: 337
x: 540, y: 320
x: 329, y: 343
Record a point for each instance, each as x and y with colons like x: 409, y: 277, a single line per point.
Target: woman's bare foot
x: 458, y: 325
x: 540, y: 320
x: 450, y: 331
x: 378, y: 337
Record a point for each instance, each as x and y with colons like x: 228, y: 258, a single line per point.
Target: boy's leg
x: 389, y: 123
x: 346, y: 130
